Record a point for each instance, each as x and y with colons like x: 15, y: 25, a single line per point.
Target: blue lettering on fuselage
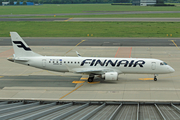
x: 116, y: 63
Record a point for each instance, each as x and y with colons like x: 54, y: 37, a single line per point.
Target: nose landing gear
x: 155, y: 77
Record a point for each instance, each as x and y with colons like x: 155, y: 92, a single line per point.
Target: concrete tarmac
x: 128, y: 19
x: 28, y: 83
x: 94, y: 41
x: 95, y: 19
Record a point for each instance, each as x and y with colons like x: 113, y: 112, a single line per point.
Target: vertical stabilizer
x: 21, y: 49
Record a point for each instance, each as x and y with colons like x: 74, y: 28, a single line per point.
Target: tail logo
x: 22, y: 45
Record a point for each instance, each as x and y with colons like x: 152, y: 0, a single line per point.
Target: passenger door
x: 153, y: 65
x: 44, y: 63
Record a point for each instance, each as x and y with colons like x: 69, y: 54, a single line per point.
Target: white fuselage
x: 119, y: 65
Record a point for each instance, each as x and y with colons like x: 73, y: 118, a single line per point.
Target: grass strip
x: 158, y: 15
x: 98, y: 29
x: 78, y: 8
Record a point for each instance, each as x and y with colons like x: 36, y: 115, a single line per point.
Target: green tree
x: 17, y: 3
x: 11, y: 2
x: 160, y: 1
x: 24, y: 3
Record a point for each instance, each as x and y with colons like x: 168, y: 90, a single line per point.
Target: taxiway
x: 27, y: 83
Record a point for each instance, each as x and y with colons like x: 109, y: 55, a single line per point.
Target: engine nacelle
x: 110, y: 76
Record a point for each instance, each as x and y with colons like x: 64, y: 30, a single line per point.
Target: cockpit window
x: 163, y: 63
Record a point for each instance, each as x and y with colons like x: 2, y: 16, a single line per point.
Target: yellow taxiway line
x: 68, y: 19
x: 84, y: 78
x: 78, y: 81
x: 75, y: 46
x: 175, y: 44
x: 70, y: 92
x: 146, y: 78
x: 94, y: 82
x: 1, y: 76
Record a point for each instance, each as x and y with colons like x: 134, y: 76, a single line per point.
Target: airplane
x: 106, y: 68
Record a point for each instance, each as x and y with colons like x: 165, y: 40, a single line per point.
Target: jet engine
x: 110, y: 76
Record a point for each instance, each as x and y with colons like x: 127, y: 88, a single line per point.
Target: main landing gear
x: 91, y: 78
x: 155, y: 77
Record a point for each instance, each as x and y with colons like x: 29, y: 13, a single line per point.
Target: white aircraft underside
x: 107, y: 68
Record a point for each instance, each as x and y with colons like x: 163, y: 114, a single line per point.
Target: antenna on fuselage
x: 74, y: 47
x: 78, y: 54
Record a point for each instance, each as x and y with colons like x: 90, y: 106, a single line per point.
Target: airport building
x: 5, y: 3
x: 15, y: 3
x: 21, y: 3
x: 144, y: 2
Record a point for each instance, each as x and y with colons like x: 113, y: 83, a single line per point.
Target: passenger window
x: 64, y: 61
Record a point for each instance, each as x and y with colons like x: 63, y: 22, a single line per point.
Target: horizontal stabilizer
x: 18, y: 59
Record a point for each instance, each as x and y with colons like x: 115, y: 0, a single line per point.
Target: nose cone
x: 171, y: 69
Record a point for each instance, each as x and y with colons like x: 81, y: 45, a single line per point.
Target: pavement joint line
x: 172, y: 76
x: 52, y: 73
x: 175, y: 44
x: 74, y: 46
x: 68, y: 19
x: 70, y: 92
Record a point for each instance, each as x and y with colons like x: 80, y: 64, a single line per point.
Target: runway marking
x: 75, y: 46
x: 146, y: 78
x: 123, y: 52
x: 130, y: 53
x: 94, y: 82
x: 84, y: 78
x: 117, y: 52
x: 7, y: 53
x: 68, y: 19
x: 1, y: 76
x: 78, y: 81
x: 175, y: 44
x: 70, y: 92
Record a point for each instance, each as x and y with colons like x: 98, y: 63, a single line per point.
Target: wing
x: 94, y: 71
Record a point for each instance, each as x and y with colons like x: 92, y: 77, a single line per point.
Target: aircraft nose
x: 171, y: 69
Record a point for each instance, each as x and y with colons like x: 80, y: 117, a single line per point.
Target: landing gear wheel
x: 90, y: 79
x: 155, y: 79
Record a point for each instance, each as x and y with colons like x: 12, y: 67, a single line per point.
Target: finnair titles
x: 106, y: 68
